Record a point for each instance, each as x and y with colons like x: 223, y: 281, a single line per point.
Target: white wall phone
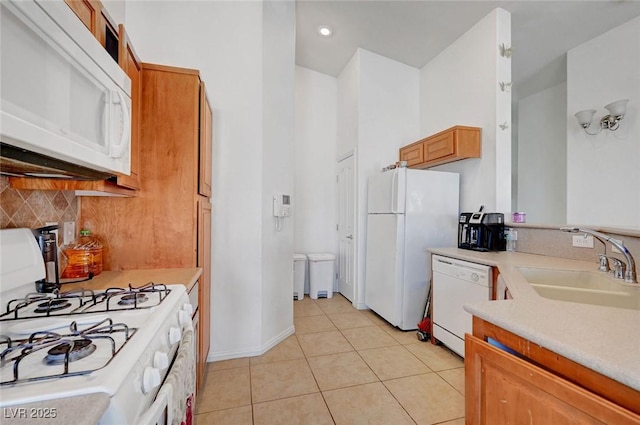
x: 281, y: 205
x: 281, y: 208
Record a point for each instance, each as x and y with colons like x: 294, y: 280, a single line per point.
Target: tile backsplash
x: 34, y: 208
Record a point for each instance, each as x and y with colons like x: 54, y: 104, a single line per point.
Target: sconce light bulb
x: 585, y: 117
x: 617, y: 108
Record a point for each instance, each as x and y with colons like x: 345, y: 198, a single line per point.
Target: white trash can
x: 299, y: 273
x: 321, y: 275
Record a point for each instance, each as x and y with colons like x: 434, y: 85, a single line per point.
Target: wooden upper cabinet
x: 131, y: 64
x: 88, y: 11
x: 450, y: 145
x: 413, y: 154
x: 95, y: 17
x: 205, y: 145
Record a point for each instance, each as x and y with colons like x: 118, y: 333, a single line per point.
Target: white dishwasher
x: 456, y: 282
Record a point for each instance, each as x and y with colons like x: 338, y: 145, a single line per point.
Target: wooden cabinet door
x: 130, y: 63
x: 413, y: 154
x: 503, y: 389
x: 88, y: 11
x: 196, y: 334
x: 206, y: 136
x: 439, y: 146
x: 204, y: 294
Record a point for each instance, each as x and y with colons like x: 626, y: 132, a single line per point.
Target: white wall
x: 224, y: 40
x: 314, y: 200
x: 599, y: 72
x: 116, y: 9
x: 378, y: 112
x: 348, y: 106
x: 460, y: 87
x: 278, y: 137
x: 542, y: 155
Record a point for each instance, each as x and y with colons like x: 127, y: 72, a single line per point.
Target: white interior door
x: 346, y: 228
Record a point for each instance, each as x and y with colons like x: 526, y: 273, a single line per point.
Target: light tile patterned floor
x: 343, y: 367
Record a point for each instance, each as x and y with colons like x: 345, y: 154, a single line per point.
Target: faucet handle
x: 604, y: 263
x: 618, y: 268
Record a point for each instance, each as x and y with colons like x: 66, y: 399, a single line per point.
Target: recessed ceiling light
x: 325, y: 31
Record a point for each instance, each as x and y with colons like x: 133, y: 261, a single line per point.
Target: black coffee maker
x: 49, y: 249
x: 481, y: 231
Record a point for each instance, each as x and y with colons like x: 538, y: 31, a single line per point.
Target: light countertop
x: 605, y: 339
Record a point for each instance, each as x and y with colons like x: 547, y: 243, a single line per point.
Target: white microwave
x: 62, y: 95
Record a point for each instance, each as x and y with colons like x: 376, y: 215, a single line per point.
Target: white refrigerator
x: 408, y: 211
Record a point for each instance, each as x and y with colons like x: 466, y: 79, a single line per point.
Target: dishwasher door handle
x: 443, y: 261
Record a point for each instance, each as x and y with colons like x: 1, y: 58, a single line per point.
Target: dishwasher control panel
x: 472, y: 272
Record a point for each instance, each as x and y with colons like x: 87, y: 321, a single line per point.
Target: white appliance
x: 456, y: 282
x: 62, y: 95
x: 408, y: 211
x: 135, y: 344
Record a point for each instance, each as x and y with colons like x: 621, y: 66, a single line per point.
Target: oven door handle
x: 161, y: 411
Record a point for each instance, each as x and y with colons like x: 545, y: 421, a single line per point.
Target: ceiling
x: 414, y: 32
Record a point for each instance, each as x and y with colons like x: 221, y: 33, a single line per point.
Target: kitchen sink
x: 583, y: 287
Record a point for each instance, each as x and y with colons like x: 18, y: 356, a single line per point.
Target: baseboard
x: 250, y: 352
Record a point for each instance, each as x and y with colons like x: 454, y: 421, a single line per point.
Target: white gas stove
x: 123, y: 342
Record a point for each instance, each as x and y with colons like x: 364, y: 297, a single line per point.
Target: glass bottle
x: 84, y: 256
x: 511, y: 236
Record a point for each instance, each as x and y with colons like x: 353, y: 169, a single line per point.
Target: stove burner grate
x: 64, y: 349
x: 58, y: 303
x: 73, y: 350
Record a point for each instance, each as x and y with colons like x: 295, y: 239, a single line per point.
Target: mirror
x: 560, y: 174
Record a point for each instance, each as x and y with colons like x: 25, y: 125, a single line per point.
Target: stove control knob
x: 188, y: 308
x: 175, y: 335
x: 183, y: 318
x: 150, y: 379
x: 160, y: 360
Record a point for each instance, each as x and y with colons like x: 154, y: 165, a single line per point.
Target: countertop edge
x: 85, y: 409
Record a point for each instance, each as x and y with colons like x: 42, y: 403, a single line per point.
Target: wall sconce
x: 505, y: 51
x: 505, y: 86
x: 611, y: 122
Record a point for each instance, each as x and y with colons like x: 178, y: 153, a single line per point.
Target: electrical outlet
x: 614, y: 249
x: 69, y: 232
x: 53, y: 223
x: 583, y: 241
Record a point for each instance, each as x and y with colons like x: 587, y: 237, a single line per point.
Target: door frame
x: 355, y: 242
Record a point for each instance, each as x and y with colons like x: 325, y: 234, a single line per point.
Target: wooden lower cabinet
x: 502, y: 388
x: 204, y: 294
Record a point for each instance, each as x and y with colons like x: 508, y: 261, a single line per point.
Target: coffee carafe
x: 49, y: 249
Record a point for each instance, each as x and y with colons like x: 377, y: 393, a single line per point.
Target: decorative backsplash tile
x: 34, y: 208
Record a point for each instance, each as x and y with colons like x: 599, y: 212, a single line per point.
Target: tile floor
x: 342, y: 366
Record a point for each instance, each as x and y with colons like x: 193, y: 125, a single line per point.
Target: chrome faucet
x: 630, y: 272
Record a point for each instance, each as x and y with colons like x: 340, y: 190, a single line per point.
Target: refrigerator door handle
x: 394, y: 192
